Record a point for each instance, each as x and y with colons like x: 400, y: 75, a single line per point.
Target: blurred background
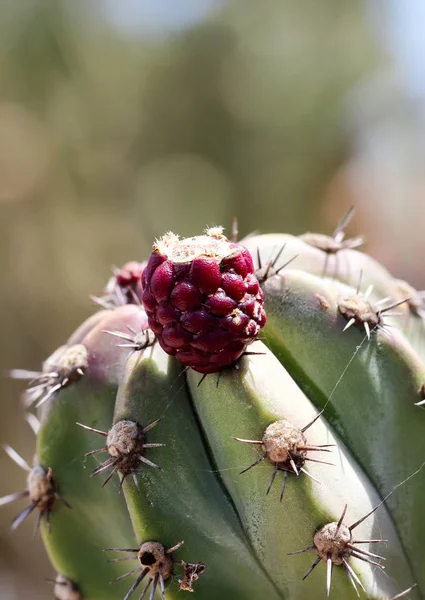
x: 121, y: 119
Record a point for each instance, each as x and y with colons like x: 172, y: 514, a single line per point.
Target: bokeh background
x: 121, y: 119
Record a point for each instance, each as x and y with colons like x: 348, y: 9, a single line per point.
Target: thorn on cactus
x: 33, y: 422
x: 202, y: 299
x: 63, y: 368
x: 126, y: 445
x: 65, y: 589
x: 416, y: 299
x: 335, y: 243
x: 286, y: 447
x: 263, y: 273
x: 358, y: 310
x: 235, y: 230
x: 136, y: 341
x: 334, y: 545
x: 404, y: 594
x: 41, y: 491
x: 421, y: 394
x: 157, y: 564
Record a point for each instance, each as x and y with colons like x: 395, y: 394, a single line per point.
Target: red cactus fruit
x: 202, y: 298
x: 124, y: 287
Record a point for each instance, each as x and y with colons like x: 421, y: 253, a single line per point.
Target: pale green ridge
x: 246, y: 401
x: 369, y: 389
x: 185, y: 500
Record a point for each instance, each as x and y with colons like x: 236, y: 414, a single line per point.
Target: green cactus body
x: 235, y: 463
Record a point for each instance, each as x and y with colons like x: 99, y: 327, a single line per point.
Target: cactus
x: 233, y: 466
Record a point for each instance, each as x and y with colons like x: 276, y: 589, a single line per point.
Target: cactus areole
x: 293, y: 475
x: 203, y: 300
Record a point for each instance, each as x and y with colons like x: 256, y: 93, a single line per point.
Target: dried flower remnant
x: 191, y: 573
x: 157, y: 564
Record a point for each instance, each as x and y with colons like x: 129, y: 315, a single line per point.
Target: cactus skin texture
x: 288, y: 471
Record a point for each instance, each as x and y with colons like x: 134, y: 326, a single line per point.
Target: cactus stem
x: 403, y: 594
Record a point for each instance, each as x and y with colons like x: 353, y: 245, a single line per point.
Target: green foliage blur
x: 107, y: 141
